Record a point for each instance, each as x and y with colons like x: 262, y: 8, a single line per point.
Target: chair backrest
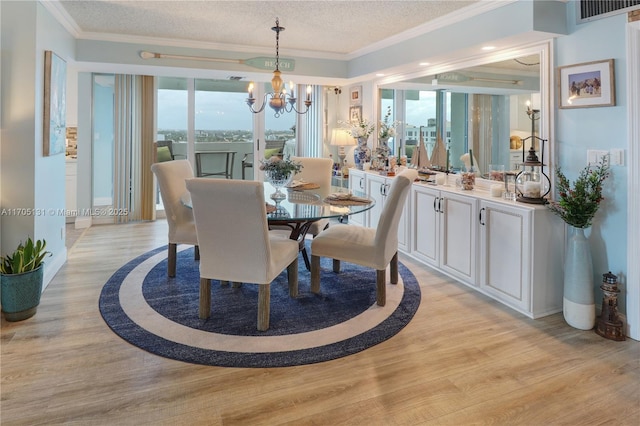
x: 387, y: 232
x: 233, y: 235
x: 171, y: 177
x: 316, y: 170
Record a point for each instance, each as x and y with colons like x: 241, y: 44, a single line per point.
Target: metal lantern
x: 532, y: 184
x: 609, y: 325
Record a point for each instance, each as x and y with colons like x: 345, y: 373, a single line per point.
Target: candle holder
x: 532, y: 184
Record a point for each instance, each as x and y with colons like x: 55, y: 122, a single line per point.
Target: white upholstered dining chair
x: 235, y: 241
x: 171, y: 177
x: 314, y: 170
x: 376, y: 248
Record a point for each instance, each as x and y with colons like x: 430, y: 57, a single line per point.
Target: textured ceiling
x: 331, y: 27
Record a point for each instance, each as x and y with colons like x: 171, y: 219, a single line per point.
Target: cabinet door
x: 377, y: 188
x: 505, y: 253
x: 458, y: 251
x: 425, y: 217
x: 404, y: 226
x: 357, y: 180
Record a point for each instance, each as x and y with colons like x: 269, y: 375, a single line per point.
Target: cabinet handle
x: 361, y: 183
x: 386, y: 189
x: 440, y: 205
x: 436, y: 208
x: 480, y: 216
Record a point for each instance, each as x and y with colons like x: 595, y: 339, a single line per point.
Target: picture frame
x: 586, y: 85
x: 55, y: 106
x: 355, y: 114
x: 355, y: 95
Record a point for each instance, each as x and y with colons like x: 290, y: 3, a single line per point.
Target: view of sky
x: 229, y: 111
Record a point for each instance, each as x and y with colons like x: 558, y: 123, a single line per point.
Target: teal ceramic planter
x: 20, y: 294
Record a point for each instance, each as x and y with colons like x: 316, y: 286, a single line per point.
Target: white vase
x: 578, y: 305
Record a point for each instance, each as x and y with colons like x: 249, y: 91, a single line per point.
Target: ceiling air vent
x: 596, y: 9
x: 238, y: 78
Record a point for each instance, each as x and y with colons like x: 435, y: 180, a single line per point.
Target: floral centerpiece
x: 578, y: 205
x: 278, y: 168
x: 386, y: 130
x: 360, y: 129
x: 279, y: 172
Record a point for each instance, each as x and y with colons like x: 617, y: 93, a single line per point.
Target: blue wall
x: 601, y: 128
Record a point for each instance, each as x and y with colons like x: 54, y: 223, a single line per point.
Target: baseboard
x: 52, y: 265
x: 83, y: 222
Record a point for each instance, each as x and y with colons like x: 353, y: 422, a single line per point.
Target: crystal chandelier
x: 279, y: 100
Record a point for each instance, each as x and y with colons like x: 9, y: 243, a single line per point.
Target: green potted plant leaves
x: 21, y: 275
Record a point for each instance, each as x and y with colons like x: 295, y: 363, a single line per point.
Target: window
x: 103, y: 139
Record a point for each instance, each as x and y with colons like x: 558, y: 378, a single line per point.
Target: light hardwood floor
x: 464, y: 359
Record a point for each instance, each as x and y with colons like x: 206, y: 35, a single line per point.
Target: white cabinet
x: 425, y: 217
x: 357, y: 183
x: 377, y: 187
x: 444, y: 236
x: 519, y: 263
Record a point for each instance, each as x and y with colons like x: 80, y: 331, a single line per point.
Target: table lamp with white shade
x: 341, y: 138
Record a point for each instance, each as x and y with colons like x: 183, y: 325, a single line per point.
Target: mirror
x: 486, y: 107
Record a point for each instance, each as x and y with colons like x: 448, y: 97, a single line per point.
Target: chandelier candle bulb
x: 309, y: 93
x: 293, y: 92
x: 250, y: 90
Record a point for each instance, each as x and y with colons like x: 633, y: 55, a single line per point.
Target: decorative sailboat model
x: 420, y: 158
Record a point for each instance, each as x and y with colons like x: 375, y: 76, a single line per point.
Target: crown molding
x: 60, y: 14
x: 475, y: 9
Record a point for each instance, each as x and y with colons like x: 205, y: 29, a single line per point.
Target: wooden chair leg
x: 264, y: 294
x: 292, y: 276
x: 336, y: 265
x: 171, y: 262
x: 381, y: 290
x: 394, y: 269
x: 224, y: 283
x: 236, y: 284
x: 315, y: 274
x: 196, y: 253
x: 205, y: 298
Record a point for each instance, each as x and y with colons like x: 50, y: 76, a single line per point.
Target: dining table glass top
x: 308, y: 205
x: 313, y: 204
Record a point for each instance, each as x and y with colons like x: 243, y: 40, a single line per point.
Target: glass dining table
x: 302, y: 207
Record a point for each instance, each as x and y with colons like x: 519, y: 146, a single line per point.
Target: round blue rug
x: 160, y: 314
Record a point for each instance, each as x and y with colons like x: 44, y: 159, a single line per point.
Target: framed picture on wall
x: 54, y: 123
x: 355, y: 114
x: 355, y: 97
x: 590, y: 84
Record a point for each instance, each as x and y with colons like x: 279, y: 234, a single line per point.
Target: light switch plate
x: 617, y: 157
x: 595, y: 156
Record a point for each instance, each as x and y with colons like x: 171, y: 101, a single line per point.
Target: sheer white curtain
x: 313, y: 128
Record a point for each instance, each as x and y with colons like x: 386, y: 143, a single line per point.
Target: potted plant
x: 577, y: 205
x: 21, y: 276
